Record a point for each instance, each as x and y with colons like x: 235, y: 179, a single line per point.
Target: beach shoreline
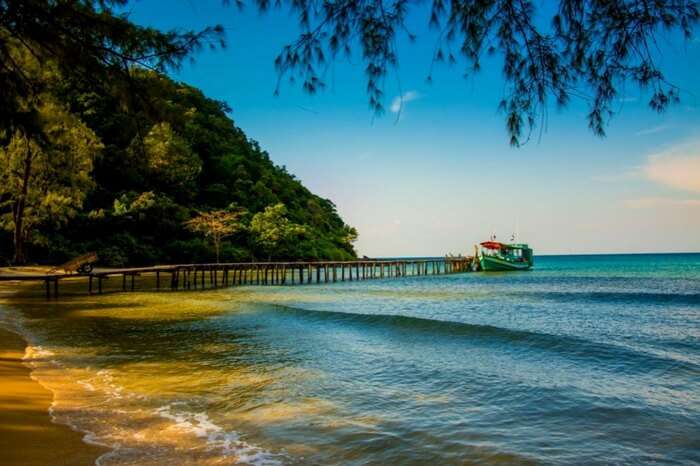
x: 28, y: 435
x: 38, y: 424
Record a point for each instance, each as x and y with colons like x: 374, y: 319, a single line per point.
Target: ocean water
x: 583, y: 360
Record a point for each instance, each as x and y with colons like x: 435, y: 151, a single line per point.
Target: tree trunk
x: 19, y: 257
x: 18, y: 210
x: 217, y: 245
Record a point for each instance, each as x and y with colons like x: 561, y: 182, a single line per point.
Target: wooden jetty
x: 199, y: 276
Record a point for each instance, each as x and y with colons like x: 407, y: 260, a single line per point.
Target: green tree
x: 92, y: 41
x: 351, y: 235
x: 216, y: 225
x: 46, y: 178
x: 169, y: 158
x: 273, y: 229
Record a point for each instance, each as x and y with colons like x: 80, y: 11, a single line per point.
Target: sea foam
x: 229, y: 442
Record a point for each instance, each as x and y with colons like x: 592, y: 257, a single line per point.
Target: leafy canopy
x: 271, y: 227
x: 45, y: 179
x: 89, y: 40
x: 167, y: 151
x: 168, y: 157
x: 216, y: 225
x: 549, y: 51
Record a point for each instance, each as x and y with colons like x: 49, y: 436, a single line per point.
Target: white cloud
x: 400, y: 101
x: 660, y: 202
x: 677, y: 167
x: 652, y: 130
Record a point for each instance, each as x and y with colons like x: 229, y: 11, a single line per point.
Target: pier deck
x: 197, y: 276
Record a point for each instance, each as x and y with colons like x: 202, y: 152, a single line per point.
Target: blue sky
x: 442, y: 176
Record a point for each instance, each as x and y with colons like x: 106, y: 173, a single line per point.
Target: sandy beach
x: 27, y: 435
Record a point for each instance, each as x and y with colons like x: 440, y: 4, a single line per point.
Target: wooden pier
x: 200, y: 276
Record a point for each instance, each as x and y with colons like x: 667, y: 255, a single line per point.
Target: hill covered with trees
x: 151, y: 172
x: 99, y: 150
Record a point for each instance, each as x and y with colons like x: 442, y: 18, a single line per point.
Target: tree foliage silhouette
x: 588, y: 48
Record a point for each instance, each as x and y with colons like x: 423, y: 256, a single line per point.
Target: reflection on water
x: 584, y: 360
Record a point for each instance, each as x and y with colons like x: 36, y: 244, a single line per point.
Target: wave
x: 631, y: 297
x: 127, y: 424
x: 110, y: 417
x: 228, y: 442
x: 621, y: 358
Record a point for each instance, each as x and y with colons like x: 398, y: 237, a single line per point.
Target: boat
x: 495, y: 256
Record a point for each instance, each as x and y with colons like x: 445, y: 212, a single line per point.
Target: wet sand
x: 27, y: 435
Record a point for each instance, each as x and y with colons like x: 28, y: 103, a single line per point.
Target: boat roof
x: 498, y: 245
x: 492, y: 245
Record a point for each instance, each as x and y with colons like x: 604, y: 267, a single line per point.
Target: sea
x: 590, y: 360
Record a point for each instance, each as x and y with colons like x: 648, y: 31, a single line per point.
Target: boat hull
x: 496, y: 264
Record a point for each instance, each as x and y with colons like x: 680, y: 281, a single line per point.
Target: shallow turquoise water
x: 583, y: 360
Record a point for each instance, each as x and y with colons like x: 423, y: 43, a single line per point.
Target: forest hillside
x: 154, y: 172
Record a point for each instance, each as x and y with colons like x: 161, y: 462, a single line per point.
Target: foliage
x: 168, y: 158
x: 216, y: 225
x: 163, y: 158
x: 588, y: 48
x: 570, y: 48
x: 121, y: 156
x: 272, y: 228
x: 45, y: 179
x: 88, y: 40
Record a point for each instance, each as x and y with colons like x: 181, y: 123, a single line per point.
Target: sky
x: 436, y: 174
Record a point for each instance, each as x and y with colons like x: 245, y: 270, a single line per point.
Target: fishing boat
x: 496, y: 256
